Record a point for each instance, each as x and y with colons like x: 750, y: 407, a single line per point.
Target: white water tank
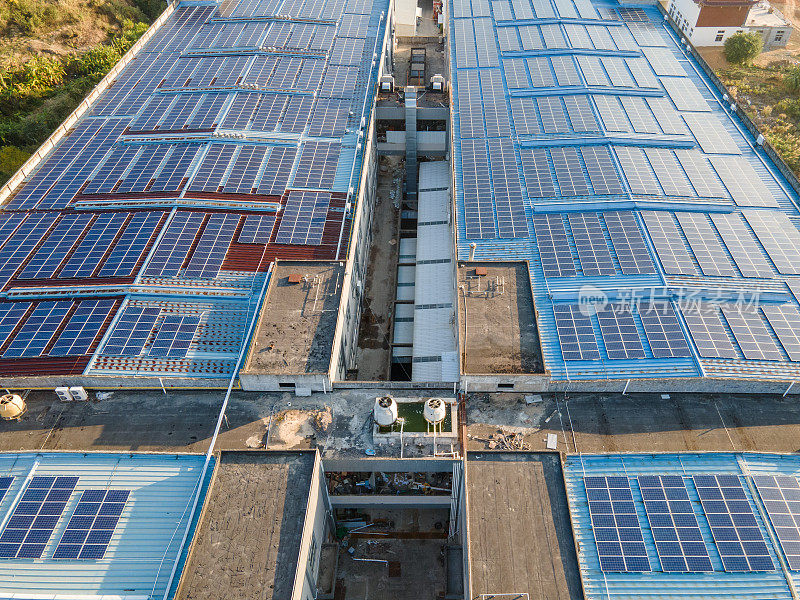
x: 385, y: 411
x: 435, y: 411
x: 12, y: 406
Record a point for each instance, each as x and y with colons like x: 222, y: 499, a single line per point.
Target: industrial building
x: 543, y: 219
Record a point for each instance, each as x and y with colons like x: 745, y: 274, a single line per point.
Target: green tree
x: 792, y: 78
x: 11, y: 159
x: 742, y: 48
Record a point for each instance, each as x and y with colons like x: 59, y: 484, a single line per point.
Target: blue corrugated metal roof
x: 657, y: 584
x: 548, y: 290
x: 146, y: 540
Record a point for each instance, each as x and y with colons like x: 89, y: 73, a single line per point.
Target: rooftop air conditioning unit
x: 387, y: 83
x: 438, y: 83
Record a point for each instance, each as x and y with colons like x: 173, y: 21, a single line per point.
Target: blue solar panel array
x: 608, y: 113
x: 284, y: 90
x: 620, y: 545
x: 35, y: 517
x: 92, y: 524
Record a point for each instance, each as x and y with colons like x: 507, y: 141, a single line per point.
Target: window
x: 719, y: 37
x: 778, y: 37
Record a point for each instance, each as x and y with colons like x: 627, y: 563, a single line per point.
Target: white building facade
x: 711, y: 22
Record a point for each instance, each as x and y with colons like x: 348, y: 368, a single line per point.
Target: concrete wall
x: 345, y: 342
x: 315, y: 533
x: 405, y: 14
x: 264, y: 382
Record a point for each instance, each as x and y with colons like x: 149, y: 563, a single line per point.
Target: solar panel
x: 339, y: 82
x: 485, y: 42
x: 595, y: 259
x: 523, y: 115
x: 744, y: 249
x: 623, y: 38
x: 708, y: 332
x: 642, y: 74
x: 318, y: 163
x: 478, y: 210
x: 617, y: 71
x: 600, y: 37
x: 669, y: 173
x: 174, y: 173
x: 679, y: 541
x: 131, y: 331
x: 637, y: 170
x: 569, y: 172
x: 663, y: 331
x: 580, y: 114
x: 143, y: 171
x: 779, y: 236
x: 51, y: 253
x: 128, y: 250
x: 93, y: 247
x: 516, y: 73
x: 707, y: 249
x: 629, y: 245
x: 566, y: 70
x: 684, y: 94
x: 540, y: 71
x: 174, y: 336
x: 11, y: 313
x: 522, y: 9
x: 38, y: 329
x: 612, y: 114
x: 531, y: 37
x: 346, y: 52
x: 303, y: 218
x: 702, y: 176
x: 553, y: 243
x: 620, y: 336
x: 116, y: 164
x: 506, y: 189
x: 744, y: 184
x: 508, y: 38
x: 277, y: 170
x: 601, y: 169
x: 615, y: 525
x: 646, y: 34
x: 257, y: 229
x: 733, y: 524
x: 780, y: 495
x: 543, y: 9
x: 663, y: 61
x: 668, y: 118
x: 554, y: 119
x: 22, y: 242
x: 470, y: 106
x: 640, y: 116
x: 711, y: 134
x: 5, y: 484
x: 784, y: 319
x: 751, y: 333
x: 35, y: 517
x: 672, y: 253
x: 578, y: 36
x: 593, y: 72
x: 266, y: 115
x: 175, y: 244
x: 566, y: 9
x: 494, y: 104
x: 210, y: 252
x: 152, y: 112
x: 241, y: 111
x: 575, y: 333
x: 466, y: 51
x: 552, y: 36
x: 82, y: 328
x: 244, y: 171
x: 330, y: 118
x: 536, y: 170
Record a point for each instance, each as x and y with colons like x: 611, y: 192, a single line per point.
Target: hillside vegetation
x: 52, y: 53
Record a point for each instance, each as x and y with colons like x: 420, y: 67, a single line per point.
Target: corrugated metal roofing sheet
x: 146, y: 540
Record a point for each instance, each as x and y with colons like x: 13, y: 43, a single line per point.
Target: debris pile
x: 504, y: 441
x: 389, y: 484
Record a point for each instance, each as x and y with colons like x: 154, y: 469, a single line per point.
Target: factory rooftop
x: 662, y: 242
x: 140, y: 243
